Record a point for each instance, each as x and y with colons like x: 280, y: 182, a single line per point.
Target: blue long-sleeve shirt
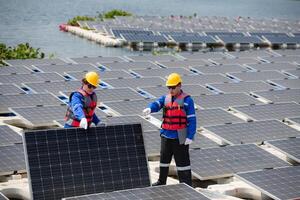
x: 190, y: 112
x: 76, y: 105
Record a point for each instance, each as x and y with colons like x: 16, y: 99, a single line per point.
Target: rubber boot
x: 185, y: 177
x: 163, y: 174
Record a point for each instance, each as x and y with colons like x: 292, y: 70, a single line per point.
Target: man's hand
x: 83, y: 123
x: 188, y: 141
x: 146, y: 111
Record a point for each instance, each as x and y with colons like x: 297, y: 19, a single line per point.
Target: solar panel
x: 179, y: 191
x: 144, y: 38
x: 288, y: 83
x: 29, y: 62
x: 258, y: 76
x: 118, y: 32
x: 76, y: 161
x: 183, y: 63
x: 14, y: 70
x: 235, y: 61
x: 253, y: 132
x: 40, y: 116
x: 288, y: 52
x: 283, y: 39
x: 270, y: 111
x: 280, y: 96
x: 289, y: 146
x: 267, y: 34
x: 240, y: 39
x: 295, y: 72
x: 29, y: 78
x: 103, y: 74
x: 249, y: 54
x: 193, y: 39
x: 135, y: 82
x: 283, y: 59
x: 23, y: 100
x: 66, y: 68
x: 99, y: 59
x: 131, y: 65
x: 281, y: 183
x: 204, y: 79
x: 133, y: 107
x: 224, y: 100
x: 240, y: 87
x: 10, y: 89
x: 148, y: 57
x: 8, y: 136
x: 223, y: 69
x: 221, y: 33
x: 202, y: 55
x: 223, y: 162
x: 272, y: 66
x: 163, y: 72
x: 12, y: 159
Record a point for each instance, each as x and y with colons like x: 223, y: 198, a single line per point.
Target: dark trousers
x: 170, y: 147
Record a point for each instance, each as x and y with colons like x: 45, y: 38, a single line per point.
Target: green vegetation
x: 74, y: 20
x: 21, y: 51
x: 111, y: 14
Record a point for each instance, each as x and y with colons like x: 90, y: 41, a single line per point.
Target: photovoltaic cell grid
x: 225, y: 161
x: 240, y: 87
x: 281, y: 183
x: 29, y: 78
x: 14, y: 70
x: 144, y: 38
x: 258, y: 76
x: 235, y: 61
x: 95, y: 60
x: 131, y: 65
x: 41, y: 116
x: 135, y: 82
x: 280, y: 96
x: 8, y: 136
x: 193, y: 39
x: 118, y: 32
x: 29, y: 62
x: 103, y: 74
x: 288, y: 83
x: 10, y: 89
x: 183, y: 63
x: 224, y: 100
x: 179, y: 191
x: 289, y: 147
x: 12, y: 158
x: 204, y: 79
x: 197, y: 56
x: 240, y: 39
x: 221, y: 33
x: 223, y: 69
x: 163, y: 72
x: 272, y: 66
x: 152, y: 58
x: 249, y: 54
x: 253, y: 132
x: 66, y: 68
x: 23, y: 100
x: 71, y: 162
x: 270, y: 111
x: 283, y: 40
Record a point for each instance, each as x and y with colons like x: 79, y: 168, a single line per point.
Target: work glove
x: 188, y: 141
x: 83, y: 123
x: 146, y: 111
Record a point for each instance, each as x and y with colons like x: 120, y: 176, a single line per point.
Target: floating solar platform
x: 8, y: 136
x: 224, y: 100
x: 76, y: 161
x: 240, y: 87
x: 97, y: 60
x: 234, y: 61
x: 103, y: 74
x: 205, y: 79
x: 14, y: 70
x: 281, y: 183
x: 252, y: 132
x: 148, y: 57
x: 258, y: 76
x: 119, y: 32
x: 287, y: 83
x: 12, y: 159
x: 179, y: 191
x: 250, y: 54
x: 144, y: 38
x: 193, y: 39
x: 29, y: 62
x: 240, y: 39
x: 133, y: 107
x: 270, y: 111
x: 6, y: 89
x: 279, y: 96
x: 131, y: 65
x: 223, y: 162
x: 272, y: 66
x: 223, y: 69
x: 289, y: 147
x: 53, y: 87
x: 163, y: 72
x: 40, y: 116
x: 183, y: 63
x: 135, y: 82
x: 295, y: 72
x: 24, y: 100
x: 66, y: 68
x: 193, y: 90
x: 202, y: 55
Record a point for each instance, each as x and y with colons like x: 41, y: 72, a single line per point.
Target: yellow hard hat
x: 92, y: 78
x: 173, y: 79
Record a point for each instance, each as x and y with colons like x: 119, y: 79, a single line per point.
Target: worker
x: 177, y: 130
x: 82, y: 103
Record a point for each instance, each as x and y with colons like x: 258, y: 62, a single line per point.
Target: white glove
x: 146, y: 111
x: 188, y: 141
x: 83, y: 123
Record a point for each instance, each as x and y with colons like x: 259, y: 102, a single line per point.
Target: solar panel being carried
x: 74, y: 161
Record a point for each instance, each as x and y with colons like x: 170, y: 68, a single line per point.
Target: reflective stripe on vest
x: 89, y: 106
x: 174, y: 115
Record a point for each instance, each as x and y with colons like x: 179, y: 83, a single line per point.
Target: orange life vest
x: 89, y: 106
x: 174, y: 115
